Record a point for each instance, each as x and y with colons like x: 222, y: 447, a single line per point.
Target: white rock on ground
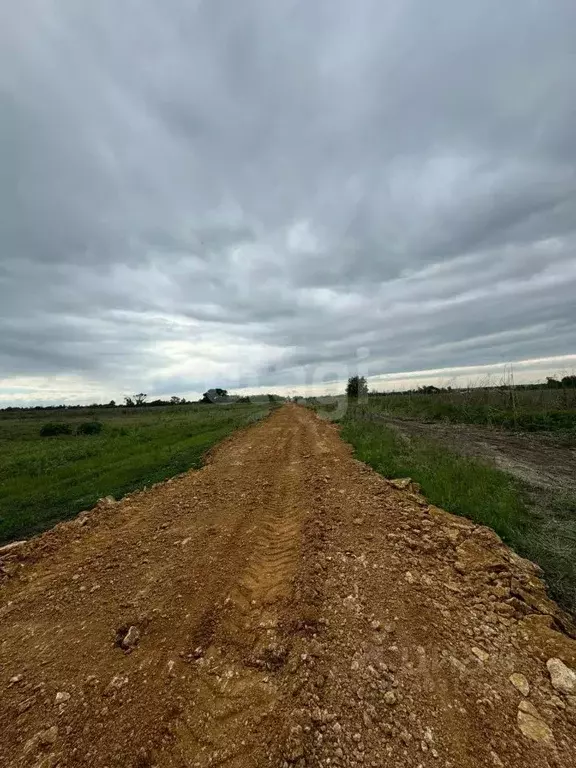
x: 563, y: 678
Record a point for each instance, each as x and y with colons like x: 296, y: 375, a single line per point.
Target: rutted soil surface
x: 541, y: 461
x: 283, y: 606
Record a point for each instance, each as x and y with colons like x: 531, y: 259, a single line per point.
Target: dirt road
x: 283, y: 606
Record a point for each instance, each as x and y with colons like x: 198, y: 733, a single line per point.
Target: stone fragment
x: 563, y: 678
x: 520, y: 682
x: 526, y: 706
x: 131, y: 638
x: 480, y: 654
x: 474, y: 556
x: 401, y: 483
x: 534, y: 728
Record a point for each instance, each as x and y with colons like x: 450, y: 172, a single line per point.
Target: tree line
x: 216, y: 395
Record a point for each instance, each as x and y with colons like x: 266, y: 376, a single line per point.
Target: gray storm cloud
x: 193, y: 191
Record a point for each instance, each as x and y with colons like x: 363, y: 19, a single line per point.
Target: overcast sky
x: 233, y: 193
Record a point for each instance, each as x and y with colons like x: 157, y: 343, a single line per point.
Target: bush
x: 90, y: 428
x: 55, y: 428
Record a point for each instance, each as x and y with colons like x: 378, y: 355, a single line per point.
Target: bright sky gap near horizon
x: 270, y: 195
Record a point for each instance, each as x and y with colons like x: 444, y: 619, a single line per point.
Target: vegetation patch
x: 90, y: 428
x: 52, y: 429
x: 527, y: 408
x: 92, y: 453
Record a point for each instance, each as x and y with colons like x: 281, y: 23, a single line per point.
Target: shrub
x: 90, y: 428
x: 55, y: 428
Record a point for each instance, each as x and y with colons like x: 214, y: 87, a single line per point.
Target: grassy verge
x: 47, y: 479
x: 482, y: 493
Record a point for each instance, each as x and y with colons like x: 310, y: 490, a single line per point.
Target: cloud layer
x: 222, y: 193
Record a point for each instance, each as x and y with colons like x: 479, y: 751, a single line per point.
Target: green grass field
x: 47, y: 479
x: 522, y: 409
x: 470, y: 487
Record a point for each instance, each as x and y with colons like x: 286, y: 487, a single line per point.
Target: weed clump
x: 90, y: 428
x: 54, y: 428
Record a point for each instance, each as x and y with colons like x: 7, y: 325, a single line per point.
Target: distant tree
x: 553, y: 383
x: 429, y: 389
x: 140, y: 398
x: 112, y: 404
x: 569, y: 381
x: 129, y: 402
x: 175, y: 400
x: 216, y: 395
x: 356, y: 387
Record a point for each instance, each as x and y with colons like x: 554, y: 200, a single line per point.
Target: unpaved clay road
x: 283, y: 606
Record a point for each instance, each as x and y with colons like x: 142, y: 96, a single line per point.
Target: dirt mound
x: 282, y: 606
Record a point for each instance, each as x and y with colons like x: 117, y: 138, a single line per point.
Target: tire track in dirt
x: 236, y: 686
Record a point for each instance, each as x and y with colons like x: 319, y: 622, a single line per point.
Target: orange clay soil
x: 283, y: 606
